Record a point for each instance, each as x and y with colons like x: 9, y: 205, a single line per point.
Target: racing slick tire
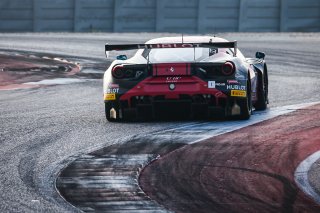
x: 246, y: 104
x: 108, y: 107
x: 262, y: 102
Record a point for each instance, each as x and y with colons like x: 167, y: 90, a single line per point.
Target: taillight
x: 118, y: 71
x: 227, y: 68
x: 127, y: 72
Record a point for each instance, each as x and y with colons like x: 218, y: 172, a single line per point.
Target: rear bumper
x: 172, y: 89
x: 185, y: 106
x: 181, y: 108
x: 190, y: 96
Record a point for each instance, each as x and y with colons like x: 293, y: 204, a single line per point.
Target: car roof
x: 186, y: 39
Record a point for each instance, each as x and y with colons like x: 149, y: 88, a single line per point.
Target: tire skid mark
x: 89, y: 188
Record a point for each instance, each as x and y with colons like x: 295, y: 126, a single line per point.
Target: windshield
x: 182, y: 54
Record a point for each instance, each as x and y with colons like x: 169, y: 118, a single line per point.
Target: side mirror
x: 122, y: 57
x: 260, y: 55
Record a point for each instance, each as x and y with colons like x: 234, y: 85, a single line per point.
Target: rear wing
x: 111, y: 47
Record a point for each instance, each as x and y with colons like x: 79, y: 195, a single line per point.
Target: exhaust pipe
x: 113, y: 113
x: 235, y: 109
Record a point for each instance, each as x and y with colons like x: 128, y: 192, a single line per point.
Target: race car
x: 191, y: 76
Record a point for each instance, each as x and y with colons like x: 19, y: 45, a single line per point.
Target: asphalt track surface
x: 41, y: 128
x: 107, y: 179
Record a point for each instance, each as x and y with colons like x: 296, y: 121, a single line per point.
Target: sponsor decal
x: 232, y: 81
x: 236, y: 87
x: 173, y: 79
x: 112, y: 88
x: 211, y: 84
x: 238, y: 93
x: 220, y: 84
x: 149, y: 46
x: 109, y: 97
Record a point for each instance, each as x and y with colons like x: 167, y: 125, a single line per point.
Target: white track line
x: 216, y: 128
x: 301, y: 176
x: 57, y: 81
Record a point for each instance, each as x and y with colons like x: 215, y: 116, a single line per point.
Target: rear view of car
x: 199, y: 77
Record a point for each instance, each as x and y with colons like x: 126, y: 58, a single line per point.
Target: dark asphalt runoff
x: 41, y: 128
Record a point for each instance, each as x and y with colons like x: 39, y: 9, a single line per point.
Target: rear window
x: 181, y: 54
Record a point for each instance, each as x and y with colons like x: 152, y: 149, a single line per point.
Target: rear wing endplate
x: 119, y: 47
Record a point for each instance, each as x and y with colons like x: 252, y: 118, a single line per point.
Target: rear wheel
x: 262, y: 102
x: 246, y: 104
